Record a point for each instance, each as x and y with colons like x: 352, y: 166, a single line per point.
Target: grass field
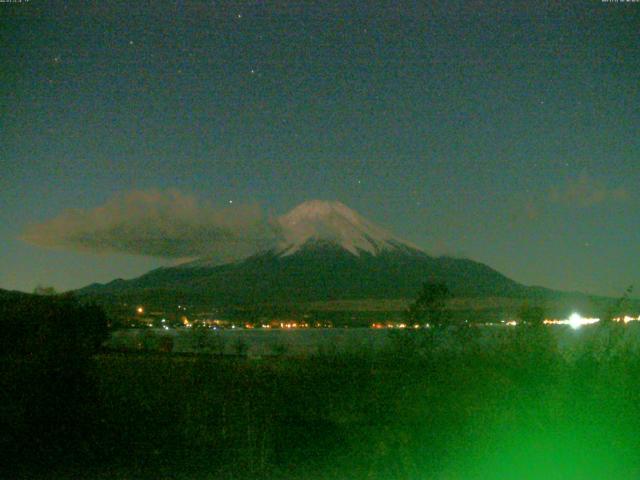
x: 518, y: 408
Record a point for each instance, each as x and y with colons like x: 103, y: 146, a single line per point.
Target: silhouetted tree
x: 531, y: 315
x: 49, y: 341
x: 55, y: 326
x: 166, y: 344
x: 241, y: 347
x: 430, y: 306
x: 42, y: 290
x: 618, y: 308
x: 200, y: 337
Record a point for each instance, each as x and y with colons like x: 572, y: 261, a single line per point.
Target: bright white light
x: 576, y: 321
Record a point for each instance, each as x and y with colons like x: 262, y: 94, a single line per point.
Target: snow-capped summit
x: 309, y: 224
x: 317, y: 220
x: 319, y: 251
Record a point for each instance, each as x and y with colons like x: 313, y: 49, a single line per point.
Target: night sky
x: 506, y: 132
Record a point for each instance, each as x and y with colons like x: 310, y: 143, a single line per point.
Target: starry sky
x: 505, y: 132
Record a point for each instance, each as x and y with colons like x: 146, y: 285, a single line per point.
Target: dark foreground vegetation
x: 518, y: 408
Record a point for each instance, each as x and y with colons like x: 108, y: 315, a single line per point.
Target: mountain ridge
x: 325, y: 252
x: 325, y: 221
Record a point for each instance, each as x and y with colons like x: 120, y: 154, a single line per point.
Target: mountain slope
x: 318, y: 272
x: 325, y: 251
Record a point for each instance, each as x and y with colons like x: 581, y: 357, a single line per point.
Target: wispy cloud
x: 166, y: 224
x: 582, y: 191
x: 585, y: 191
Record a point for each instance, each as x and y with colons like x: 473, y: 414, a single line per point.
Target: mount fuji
x: 335, y: 223
x: 327, y: 223
x: 323, y: 251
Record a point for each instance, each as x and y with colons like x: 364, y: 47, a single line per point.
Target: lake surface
x: 266, y: 342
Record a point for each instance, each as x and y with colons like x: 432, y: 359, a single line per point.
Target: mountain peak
x: 320, y: 208
x: 332, y: 221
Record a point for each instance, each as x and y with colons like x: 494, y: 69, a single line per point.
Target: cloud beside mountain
x: 585, y: 191
x: 581, y: 192
x: 166, y: 224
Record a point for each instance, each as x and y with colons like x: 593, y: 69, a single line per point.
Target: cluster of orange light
x: 294, y: 325
x: 626, y: 319
x: 392, y: 325
x: 286, y: 325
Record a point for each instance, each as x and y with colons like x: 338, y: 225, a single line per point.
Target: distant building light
x: 575, y: 321
x: 626, y: 319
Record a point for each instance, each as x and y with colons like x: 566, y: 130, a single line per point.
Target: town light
x: 576, y: 321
